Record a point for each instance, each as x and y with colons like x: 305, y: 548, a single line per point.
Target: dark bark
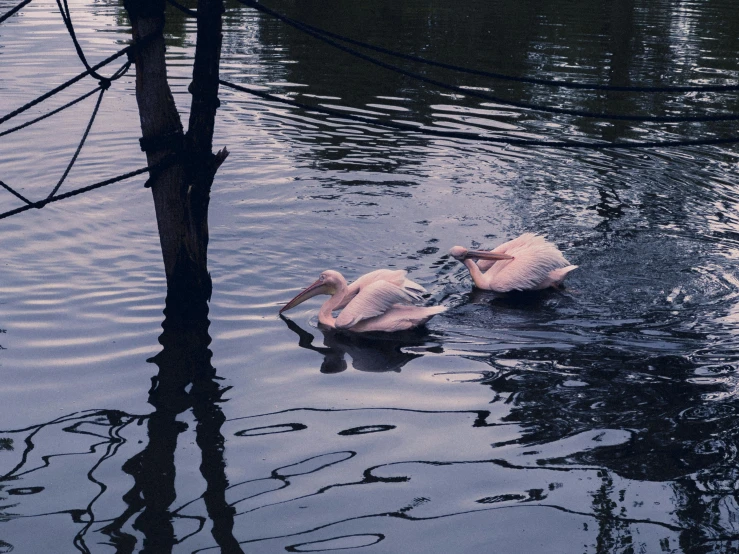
x: 181, y: 188
x: 205, y: 73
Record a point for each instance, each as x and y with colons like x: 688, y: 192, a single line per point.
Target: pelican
x: 371, y: 303
x: 528, y: 262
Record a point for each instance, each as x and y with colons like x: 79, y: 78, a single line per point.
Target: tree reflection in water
x: 186, y: 380
x: 588, y: 452
x: 184, y: 361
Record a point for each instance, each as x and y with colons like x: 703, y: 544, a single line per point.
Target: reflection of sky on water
x: 600, y: 416
x: 413, y: 487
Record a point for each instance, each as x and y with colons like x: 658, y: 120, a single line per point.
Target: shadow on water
x: 186, y: 381
x: 527, y: 42
x: 587, y: 440
x: 368, y: 352
x: 571, y: 407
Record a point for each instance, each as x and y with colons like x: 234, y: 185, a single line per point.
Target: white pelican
x: 375, y: 303
x: 528, y: 262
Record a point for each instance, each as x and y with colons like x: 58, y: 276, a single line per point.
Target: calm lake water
x: 597, y: 419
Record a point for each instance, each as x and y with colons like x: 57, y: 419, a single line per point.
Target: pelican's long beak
x: 486, y: 255
x: 315, y: 289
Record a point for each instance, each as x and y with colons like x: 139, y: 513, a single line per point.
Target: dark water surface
x: 598, y: 419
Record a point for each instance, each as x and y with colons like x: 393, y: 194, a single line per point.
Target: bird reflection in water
x: 519, y: 301
x: 368, y: 352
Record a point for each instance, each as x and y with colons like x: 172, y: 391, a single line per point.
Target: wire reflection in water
x: 318, y: 479
x: 322, y: 479
x: 385, y: 483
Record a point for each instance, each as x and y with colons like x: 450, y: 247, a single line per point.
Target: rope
x: 103, y: 86
x: 41, y: 203
x: 75, y: 192
x: 66, y: 84
x: 128, y: 50
x: 15, y: 193
x: 14, y: 10
x: 153, y: 170
x: 56, y: 111
x: 67, y: 17
x: 485, y: 138
x: 496, y: 99
x: 183, y: 9
x: 547, y: 82
x: 80, y: 145
x: 319, y: 34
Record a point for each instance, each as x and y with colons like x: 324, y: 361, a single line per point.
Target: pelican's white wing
x: 396, y: 277
x: 528, y: 271
x: 373, y: 300
x: 528, y: 242
x: 534, y: 258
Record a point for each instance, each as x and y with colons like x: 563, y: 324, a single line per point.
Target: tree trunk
x: 181, y: 187
x: 181, y: 190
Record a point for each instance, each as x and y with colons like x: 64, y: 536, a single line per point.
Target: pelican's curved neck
x: 325, y: 315
x: 477, y: 276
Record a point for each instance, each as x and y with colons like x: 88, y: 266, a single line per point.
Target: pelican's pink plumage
x: 395, y: 276
x: 374, y: 302
x: 528, y: 262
